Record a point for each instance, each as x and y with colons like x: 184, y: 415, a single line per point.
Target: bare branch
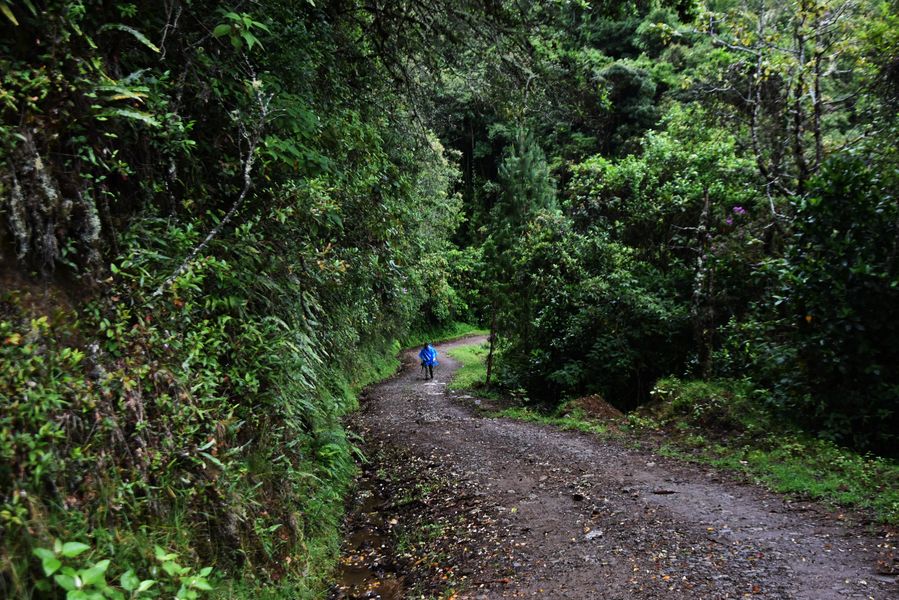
x: 170, y: 26
x: 252, y: 139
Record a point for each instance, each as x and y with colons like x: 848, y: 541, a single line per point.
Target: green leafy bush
x: 590, y: 319
x: 724, y: 406
x: 89, y: 581
x: 823, y: 339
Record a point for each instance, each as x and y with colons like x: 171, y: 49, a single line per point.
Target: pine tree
x: 526, y: 187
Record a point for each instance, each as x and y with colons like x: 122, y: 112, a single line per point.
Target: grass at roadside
x: 721, y: 424
x: 716, y: 423
x: 473, y: 371
x: 376, y: 364
x: 472, y: 374
x: 450, y: 331
x: 805, y: 467
x: 569, y: 421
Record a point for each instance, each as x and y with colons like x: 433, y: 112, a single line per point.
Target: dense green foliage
x: 725, y: 181
x: 219, y: 234
x: 822, y: 337
x: 217, y: 220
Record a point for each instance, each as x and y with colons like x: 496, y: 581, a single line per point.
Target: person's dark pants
x: 430, y: 371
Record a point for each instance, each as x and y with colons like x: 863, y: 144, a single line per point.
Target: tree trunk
x: 756, y: 103
x: 492, y: 341
x: 818, y: 104
x: 702, y: 311
x: 802, y: 172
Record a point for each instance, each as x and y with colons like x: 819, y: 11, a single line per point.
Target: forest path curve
x: 587, y: 518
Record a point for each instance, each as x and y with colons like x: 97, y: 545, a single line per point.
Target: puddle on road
x: 367, y: 570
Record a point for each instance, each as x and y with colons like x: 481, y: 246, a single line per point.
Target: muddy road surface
x: 454, y: 502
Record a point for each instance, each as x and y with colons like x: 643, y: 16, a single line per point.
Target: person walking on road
x: 428, y: 356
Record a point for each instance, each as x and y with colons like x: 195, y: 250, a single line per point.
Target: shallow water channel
x: 367, y: 568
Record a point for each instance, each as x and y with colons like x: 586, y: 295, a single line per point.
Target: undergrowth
x: 134, y: 440
x: 720, y: 423
x: 204, y: 259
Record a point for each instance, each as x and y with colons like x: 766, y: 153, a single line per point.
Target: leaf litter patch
x: 416, y: 530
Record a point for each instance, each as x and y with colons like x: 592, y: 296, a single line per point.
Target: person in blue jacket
x: 428, y: 356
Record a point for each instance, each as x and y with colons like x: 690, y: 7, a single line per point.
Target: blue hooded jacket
x: 428, y: 356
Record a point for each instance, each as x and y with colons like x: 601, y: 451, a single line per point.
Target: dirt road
x: 530, y: 511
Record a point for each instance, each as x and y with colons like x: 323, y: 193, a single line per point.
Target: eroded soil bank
x: 454, y: 502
